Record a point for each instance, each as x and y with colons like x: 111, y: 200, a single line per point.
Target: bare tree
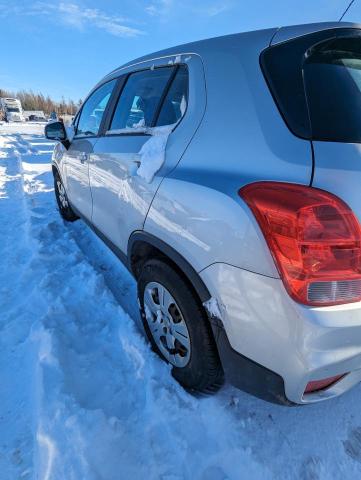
x: 37, y: 101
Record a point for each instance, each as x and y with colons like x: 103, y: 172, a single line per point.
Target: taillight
x: 315, y: 240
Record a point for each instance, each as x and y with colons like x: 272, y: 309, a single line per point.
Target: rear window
x: 316, y: 83
x: 332, y: 75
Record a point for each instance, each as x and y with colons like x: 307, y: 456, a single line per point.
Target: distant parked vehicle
x: 226, y: 175
x: 28, y: 114
x: 36, y: 118
x: 12, y: 109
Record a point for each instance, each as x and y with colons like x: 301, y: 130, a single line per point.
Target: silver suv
x: 226, y: 175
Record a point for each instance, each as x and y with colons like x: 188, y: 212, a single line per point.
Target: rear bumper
x: 246, y: 374
x: 272, y: 346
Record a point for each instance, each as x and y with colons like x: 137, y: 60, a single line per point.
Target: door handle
x: 83, y: 157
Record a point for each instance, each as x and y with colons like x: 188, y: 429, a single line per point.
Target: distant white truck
x: 11, y: 110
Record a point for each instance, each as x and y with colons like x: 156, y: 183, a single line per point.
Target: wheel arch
x: 56, y: 170
x: 143, y: 246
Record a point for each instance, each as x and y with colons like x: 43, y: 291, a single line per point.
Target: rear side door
x: 153, y: 99
x: 76, y: 158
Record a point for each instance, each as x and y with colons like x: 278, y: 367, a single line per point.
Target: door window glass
x: 175, y: 102
x: 93, y: 110
x: 139, y: 101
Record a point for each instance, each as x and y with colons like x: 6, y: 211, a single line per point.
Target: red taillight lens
x: 315, y: 240
x: 317, y: 385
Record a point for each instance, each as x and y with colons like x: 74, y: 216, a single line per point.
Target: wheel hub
x: 62, y: 195
x: 166, y: 324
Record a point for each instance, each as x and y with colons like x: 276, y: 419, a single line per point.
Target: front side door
x: 151, y: 98
x: 76, y: 158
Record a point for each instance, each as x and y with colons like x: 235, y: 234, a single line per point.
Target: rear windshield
x: 332, y: 75
x: 316, y: 82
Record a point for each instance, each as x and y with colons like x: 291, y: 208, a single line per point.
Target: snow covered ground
x: 82, y: 397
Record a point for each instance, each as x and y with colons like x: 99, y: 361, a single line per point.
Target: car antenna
x: 347, y: 9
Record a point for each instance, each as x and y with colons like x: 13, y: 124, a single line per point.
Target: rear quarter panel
x: 338, y: 170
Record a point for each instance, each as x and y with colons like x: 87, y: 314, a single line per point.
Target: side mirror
x: 56, y: 131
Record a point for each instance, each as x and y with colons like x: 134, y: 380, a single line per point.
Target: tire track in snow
x: 17, y: 353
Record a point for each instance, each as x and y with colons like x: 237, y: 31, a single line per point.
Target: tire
x: 62, y: 200
x: 195, y: 362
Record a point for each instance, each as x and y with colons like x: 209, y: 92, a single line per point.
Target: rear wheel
x: 62, y: 200
x: 178, y: 328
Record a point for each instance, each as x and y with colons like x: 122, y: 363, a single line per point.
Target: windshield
x: 315, y: 80
x: 332, y: 74
x: 12, y: 109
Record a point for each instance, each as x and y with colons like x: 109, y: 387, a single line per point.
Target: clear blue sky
x: 64, y: 47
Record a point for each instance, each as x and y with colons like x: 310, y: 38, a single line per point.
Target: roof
x: 282, y: 34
